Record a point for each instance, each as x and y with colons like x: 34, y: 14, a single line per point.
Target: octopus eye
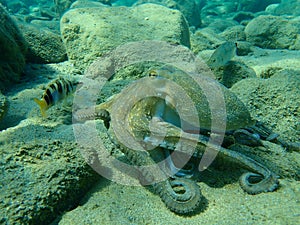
x: 152, y: 73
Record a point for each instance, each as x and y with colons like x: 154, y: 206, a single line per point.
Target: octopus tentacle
x: 259, y: 184
x: 180, y: 195
x: 183, y: 200
x: 268, y: 181
x: 92, y: 114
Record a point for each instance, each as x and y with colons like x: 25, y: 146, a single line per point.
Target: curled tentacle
x: 180, y: 195
x: 268, y: 181
x: 254, y: 183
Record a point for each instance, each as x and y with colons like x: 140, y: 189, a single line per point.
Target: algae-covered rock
x: 90, y: 32
x: 255, y: 5
x: 241, y: 16
x: 274, y: 101
x: 15, y: 6
x: 44, y: 46
x: 273, y: 32
x: 3, y: 106
x: 189, y: 8
x: 205, y: 38
x: 39, y: 180
x: 62, y: 5
x: 287, y: 7
x: 233, y: 72
x: 12, y: 48
x: 234, y: 33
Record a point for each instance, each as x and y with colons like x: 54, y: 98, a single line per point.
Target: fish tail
x: 43, y: 106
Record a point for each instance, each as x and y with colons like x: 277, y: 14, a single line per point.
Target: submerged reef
x: 251, y: 47
x: 13, y: 49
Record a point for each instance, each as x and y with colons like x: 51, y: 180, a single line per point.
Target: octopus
x: 168, y: 117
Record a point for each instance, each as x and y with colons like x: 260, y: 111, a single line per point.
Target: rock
x: 189, y: 8
x: 199, y: 42
x: 62, y: 5
x: 41, y: 192
x: 219, y: 25
x: 233, y: 72
x: 208, y: 38
x: 15, y: 6
x: 234, y: 33
x: 13, y: 48
x: 273, y: 32
x: 85, y: 4
x: 90, y: 32
x: 44, y: 46
x: 266, y: 61
x: 242, y: 16
x: 271, y: 8
x: 3, y: 106
x: 207, y: 35
x: 287, y: 7
x: 51, y: 25
x: 255, y: 5
x: 217, y: 10
x: 243, y: 48
x: 274, y: 101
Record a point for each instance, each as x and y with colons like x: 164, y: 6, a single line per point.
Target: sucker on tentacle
x: 170, y: 111
x: 260, y: 131
x: 92, y: 114
x: 182, y: 202
x: 269, y: 181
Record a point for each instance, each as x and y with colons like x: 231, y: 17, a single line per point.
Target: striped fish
x: 222, y: 55
x: 57, y: 90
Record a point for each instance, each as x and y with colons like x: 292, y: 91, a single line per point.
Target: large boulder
x: 287, y: 7
x: 63, y: 5
x: 44, y: 46
x: 274, y: 101
x: 90, y: 32
x: 12, y: 48
x: 275, y: 32
x: 189, y: 8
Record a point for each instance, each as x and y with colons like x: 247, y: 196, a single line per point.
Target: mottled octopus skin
x: 144, y: 111
x: 178, y: 203
x: 268, y: 181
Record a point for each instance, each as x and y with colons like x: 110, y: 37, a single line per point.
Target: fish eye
x: 152, y: 73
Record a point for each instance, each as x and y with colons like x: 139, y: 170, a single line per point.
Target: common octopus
x: 170, y: 114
